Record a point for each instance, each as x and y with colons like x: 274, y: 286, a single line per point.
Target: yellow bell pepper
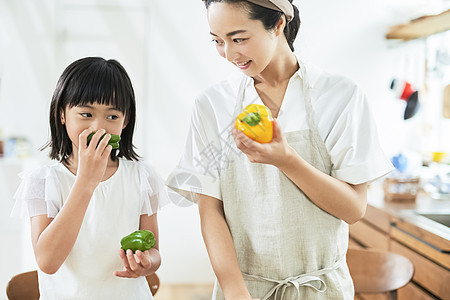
x: 256, y: 122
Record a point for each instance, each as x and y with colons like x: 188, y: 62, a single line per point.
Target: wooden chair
x: 375, y: 271
x: 24, y: 286
x: 153, y: 283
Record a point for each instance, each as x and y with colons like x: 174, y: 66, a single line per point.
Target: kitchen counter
x: 410, y: 214
x: 400, y: 227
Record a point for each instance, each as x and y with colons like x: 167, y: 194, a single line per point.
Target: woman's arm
x: 221, y: 251
x: 142, y: 263
x: 342, y: 200
x: 53, y: 239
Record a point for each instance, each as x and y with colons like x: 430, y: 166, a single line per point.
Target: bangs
x: 88, y: 81
x: 102, y: 82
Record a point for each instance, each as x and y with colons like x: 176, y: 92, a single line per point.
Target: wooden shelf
x: 421, y: 27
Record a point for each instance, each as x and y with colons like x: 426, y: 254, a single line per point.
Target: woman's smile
x: 243, y: 65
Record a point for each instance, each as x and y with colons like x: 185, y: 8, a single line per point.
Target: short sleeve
x: 198, y: 169
x: 353, y: 143
x: 153, y: 190
x: 37, y: 194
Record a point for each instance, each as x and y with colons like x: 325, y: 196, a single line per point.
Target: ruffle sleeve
x: 153, y: 190
x: 37, y: 194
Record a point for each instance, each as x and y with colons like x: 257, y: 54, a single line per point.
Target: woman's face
x: 242, y: 41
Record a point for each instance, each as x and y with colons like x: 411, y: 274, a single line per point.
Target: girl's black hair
x: 87, y: 81
x: 268, y: 17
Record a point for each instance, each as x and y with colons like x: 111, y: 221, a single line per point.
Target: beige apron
x: 287, y: 247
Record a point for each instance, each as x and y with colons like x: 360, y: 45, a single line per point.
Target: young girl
x: 275, y: 216
x: 83, y: 205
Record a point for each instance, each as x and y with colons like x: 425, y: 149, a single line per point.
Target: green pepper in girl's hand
x: 141, y: 240
x: 113, y: 141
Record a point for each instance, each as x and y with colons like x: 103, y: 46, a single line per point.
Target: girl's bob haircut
x: 87, y: 81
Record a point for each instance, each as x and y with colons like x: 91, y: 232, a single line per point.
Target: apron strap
x: 310, y: 114
x: 311, y: 280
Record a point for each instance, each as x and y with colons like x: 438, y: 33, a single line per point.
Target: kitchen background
x: 166, y: 48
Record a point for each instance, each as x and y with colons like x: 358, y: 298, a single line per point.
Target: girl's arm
x: 142, y: 263
x: 53, y: 239
x: 221, y: 251
x: 342, y: 200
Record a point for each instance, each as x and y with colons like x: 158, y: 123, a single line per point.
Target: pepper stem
x: 252, y: 119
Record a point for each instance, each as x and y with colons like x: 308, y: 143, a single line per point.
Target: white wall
x: 37, y: 41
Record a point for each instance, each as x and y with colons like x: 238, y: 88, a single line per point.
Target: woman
x: 275, y: 216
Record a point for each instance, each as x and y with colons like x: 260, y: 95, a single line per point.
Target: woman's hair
x: 268, y: 17
x: 87, y: 81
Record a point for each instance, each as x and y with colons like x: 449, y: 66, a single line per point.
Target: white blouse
x: 342, y: 115
x: 113, y: 212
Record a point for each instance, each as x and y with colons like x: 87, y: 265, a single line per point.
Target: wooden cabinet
x: 369, y: 236
x: 381, y: 229
x: 426, y: 273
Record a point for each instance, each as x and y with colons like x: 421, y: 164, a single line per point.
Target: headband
x: 283, y: 6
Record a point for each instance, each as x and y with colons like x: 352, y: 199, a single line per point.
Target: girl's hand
x: 275, y: 153
x: 92, y: 158
x: 135, y: 264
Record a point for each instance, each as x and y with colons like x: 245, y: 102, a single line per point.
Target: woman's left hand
x: 135, y: 264
x: 275, y: 153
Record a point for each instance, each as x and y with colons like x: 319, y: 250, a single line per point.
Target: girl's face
x: 242, y: 41
x: 92, y: 116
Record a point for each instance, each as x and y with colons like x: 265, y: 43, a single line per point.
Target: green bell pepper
x: 113, y: 141
x: 139, y: 240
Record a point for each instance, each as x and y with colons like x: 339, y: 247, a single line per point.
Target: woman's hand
x: 135, y: 264
x: 93, y: 158
x: 275, y: 153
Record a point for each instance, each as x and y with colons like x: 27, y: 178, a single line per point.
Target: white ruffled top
x: 113, y: 212
x: 40, y: 191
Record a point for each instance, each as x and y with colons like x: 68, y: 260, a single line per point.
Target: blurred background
x: 166, y: 48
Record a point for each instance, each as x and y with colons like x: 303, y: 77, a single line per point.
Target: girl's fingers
x: 135, y: 264
x: 123, y: 273
x: 107, y: 151
x: 127, y: 271
x: 96, y: 138
x: 131, y: 261
x: 124, y: 259
x: 103, y: 148
x: 143, y: 259
x: 138, y: 256
x: 82, y: 138
x: 104, y: 142
x: 126, y: 274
